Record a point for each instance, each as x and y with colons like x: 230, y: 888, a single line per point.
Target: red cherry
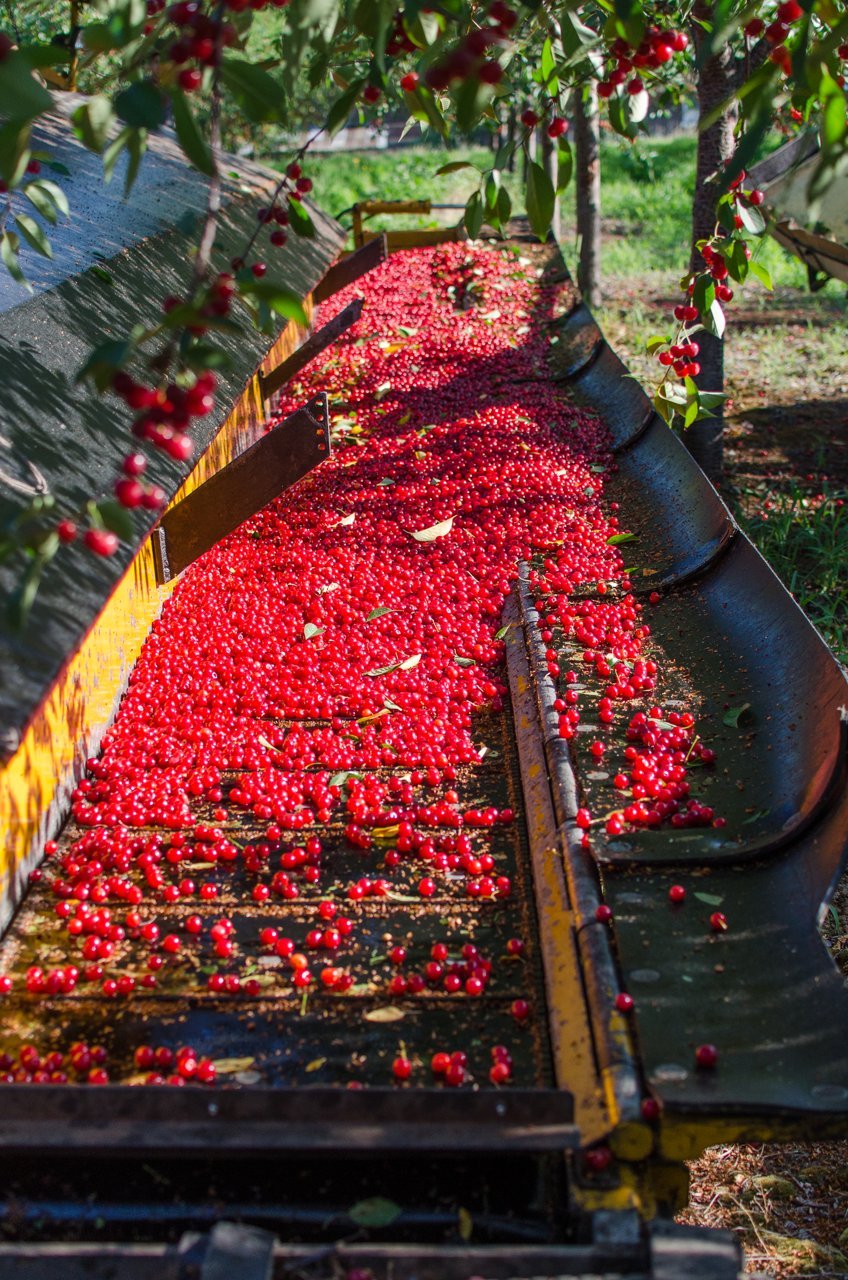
x: 706, y: 1057
x: 409, y: 82
x: 520, y: 1010
x: 190, y: 79
x: 101, y: 541
x: 66, y: 529
x: 401, y: 1068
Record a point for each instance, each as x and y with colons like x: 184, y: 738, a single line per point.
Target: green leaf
x: 704, y: 295
x: 422, y: 106
x: 276, y: 296
x: 300, y: 221
x: 22, y: 598
x: 455, y: 166
x: 136, y: 148
x: 103, y: 361
x: 540, y: 200
x: 9, y: 246
x: 709, y: 899
x: 259, y: 95
x: 833, y: 117
x: 44, y: 55
x: 752, y: 220
x: 91, y: 122
x: 656, y: 343
x: 471, y: 100
x: 117, y: 518
x: 141, y: 105
x: 375, y: 1212
x: 732, y: 717
x: 736, y: 259
x: 54, y: 193
x: 310, y: 631
x: 638, y: 106
x: 112, y: 152
x: 715, y: 320
x: 189, y: 134
x: 380, y: 612
x: 762, y: 273
x: 464, y: 662
x: 338, y: 114
x: 33, y: 234
x: 339, y: 779
x: 22, y: 97
x: 618, y: 538
x: 473, y: 216
x: 14, y: 151
x: 565, y: 166
x: 40, y: 201
x: 547, y: 68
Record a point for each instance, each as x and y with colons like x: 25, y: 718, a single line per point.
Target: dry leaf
x: 387, y: 1013
x: 229, y: 1066
x: 435, y: 531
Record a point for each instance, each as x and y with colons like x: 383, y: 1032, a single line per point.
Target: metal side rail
x: 232, y: 1251
x: 768, y: 696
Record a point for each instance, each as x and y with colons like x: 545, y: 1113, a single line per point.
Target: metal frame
x: 236, y: 492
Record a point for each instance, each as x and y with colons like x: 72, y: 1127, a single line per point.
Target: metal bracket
x: 351, y: 267
x: 242, y: 488
x: 270, y: 383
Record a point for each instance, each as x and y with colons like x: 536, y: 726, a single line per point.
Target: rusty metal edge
x: 613, y: 1042
x: 270, y: 383
x: 351, y: 266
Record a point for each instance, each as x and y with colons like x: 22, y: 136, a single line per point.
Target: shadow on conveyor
x: 766, y: 992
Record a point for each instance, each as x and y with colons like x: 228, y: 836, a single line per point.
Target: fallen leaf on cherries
x: 440, y: 530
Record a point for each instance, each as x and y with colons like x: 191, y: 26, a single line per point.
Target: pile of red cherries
x: 335, y: 661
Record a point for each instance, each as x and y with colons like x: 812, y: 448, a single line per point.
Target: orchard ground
x: 786, y: 478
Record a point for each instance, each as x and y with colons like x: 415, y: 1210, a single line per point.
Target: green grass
x: 804, y: 537
x: 342, y: 178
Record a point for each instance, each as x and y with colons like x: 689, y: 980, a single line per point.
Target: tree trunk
x: 715, y: 147
x: 549, y: 164
x: 587, y: 190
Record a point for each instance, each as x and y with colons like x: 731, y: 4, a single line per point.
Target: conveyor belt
x: 280, y: 795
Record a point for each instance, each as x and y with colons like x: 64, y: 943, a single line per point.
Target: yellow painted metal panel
x: 38, y: 780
